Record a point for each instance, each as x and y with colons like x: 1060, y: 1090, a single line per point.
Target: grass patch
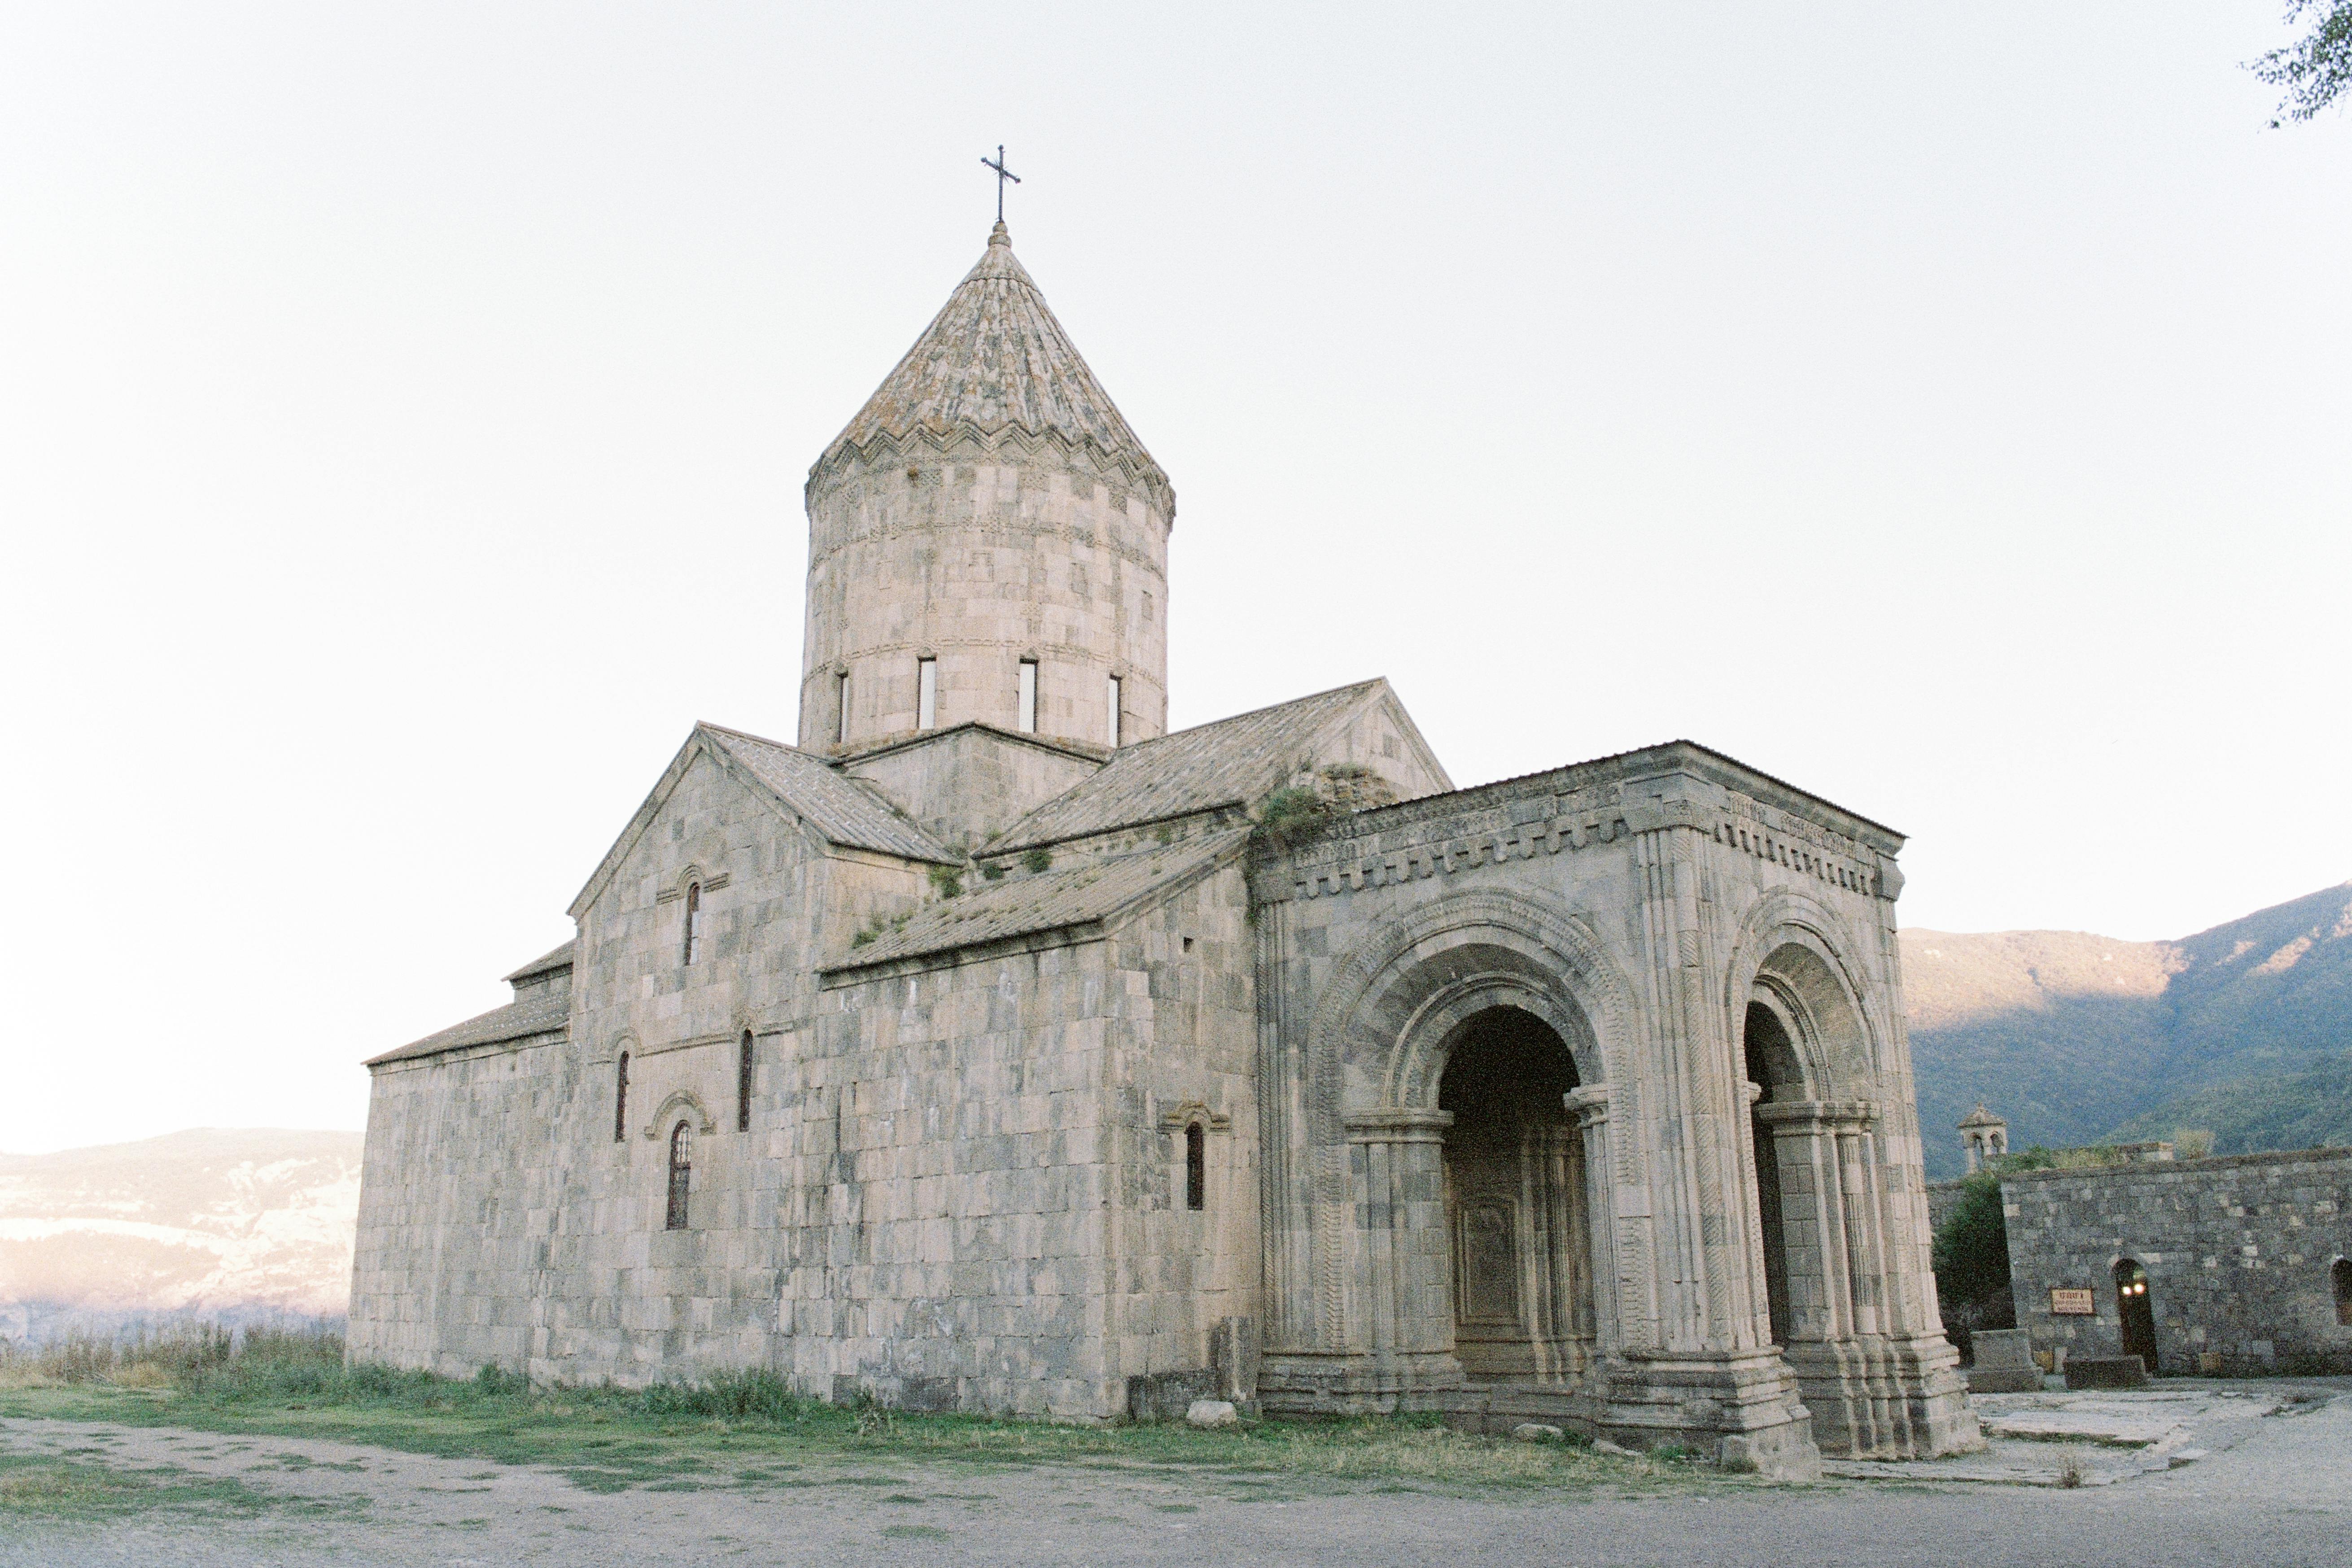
x: 41, y: 1486
x: 751, y: 1429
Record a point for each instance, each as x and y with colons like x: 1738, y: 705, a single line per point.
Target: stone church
x: 993, y: 1047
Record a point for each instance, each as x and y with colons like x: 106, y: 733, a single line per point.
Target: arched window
x: 681, y: 1172
x: 693, y: 919
x: 743, y: 1085
x: 1196, y: 1167
x: 2341, y: 1278
x: 621, y: 1100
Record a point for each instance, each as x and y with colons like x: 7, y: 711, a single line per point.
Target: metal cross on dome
x: 1002, y: 174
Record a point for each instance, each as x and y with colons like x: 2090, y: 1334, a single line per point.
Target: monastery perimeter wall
x: 2238, y: 1253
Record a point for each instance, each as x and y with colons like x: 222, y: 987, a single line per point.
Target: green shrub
x: 1971, y: 1263
x: 1038, y: 859
x: 1294, y: 808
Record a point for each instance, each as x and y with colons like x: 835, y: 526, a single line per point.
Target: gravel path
x: 2281, y: 1495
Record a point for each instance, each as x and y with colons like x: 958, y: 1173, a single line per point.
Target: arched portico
x: 1457, y: 1219
x: 1819, y: 1192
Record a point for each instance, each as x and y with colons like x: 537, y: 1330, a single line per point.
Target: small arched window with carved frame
x: 681, y: 1174
x: 621, y: 1100
x: 743, y: 1083
x: 692, y: 943
x: 1196, y: 1167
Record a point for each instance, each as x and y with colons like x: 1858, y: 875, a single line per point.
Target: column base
x: 1873, y: 1398
x: 1741, y: 1409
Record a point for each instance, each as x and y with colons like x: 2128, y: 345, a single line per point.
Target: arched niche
x: 1382, y: 1026
x: 679, y: 1103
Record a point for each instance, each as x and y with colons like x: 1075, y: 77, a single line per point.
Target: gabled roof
x: 1230, y: 762
x: 543, y: 1014
x: 845, y: 811
x: 545, y: 963
x: 1095, y: 893
x: 995, y: 358
x: 834, y: 808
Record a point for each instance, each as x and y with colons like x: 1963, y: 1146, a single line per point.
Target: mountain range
x: 2244, y: 1030
x: 242, y: 1225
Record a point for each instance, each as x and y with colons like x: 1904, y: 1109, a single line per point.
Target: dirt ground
x: 2281, y: 1494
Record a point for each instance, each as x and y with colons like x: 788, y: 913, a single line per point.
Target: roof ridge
x: 1157, y: 792
x: 747, y: 735
x: 1248, y: 713
x: 1086, y: 750
x: 1033, y: 898
x: 557, y: 957
x: 833, y: 832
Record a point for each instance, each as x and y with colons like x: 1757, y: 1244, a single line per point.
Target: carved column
x: 1831, y: 1236
x: 1589, y: 1105
x: 1550, y: 1156
x: 1400, y: 1312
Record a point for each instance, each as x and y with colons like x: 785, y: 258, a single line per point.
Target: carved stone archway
x: 1384, y: 1030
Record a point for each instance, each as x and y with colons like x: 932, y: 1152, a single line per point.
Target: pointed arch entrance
x: 1514, y: 1202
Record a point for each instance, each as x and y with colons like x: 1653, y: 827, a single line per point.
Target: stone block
x: 1234, y: 1358
x: 2105, y: 1372
x: 1212, y: 1412
x: 1168, y: 1395
x: 2004, y: 1363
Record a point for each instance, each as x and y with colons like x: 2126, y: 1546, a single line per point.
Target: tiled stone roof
x: 1045, y: 901
x: 544, y: 1014
x: 557, y: 958
x: 1230, y: 762
x: 995, y: 358
x: 844, y: 810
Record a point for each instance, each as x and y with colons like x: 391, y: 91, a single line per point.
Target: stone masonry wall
x: 965, y: 786
x: 984, y: 1217
x: 2237, y: 1253
x: 453, y: 1195
x: 981, y: 557
x: 961, y: 1181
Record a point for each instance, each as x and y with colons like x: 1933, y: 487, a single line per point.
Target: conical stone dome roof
x: 995, y: 358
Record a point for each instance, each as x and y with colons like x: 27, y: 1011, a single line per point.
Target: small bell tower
x: 1985, y: 1135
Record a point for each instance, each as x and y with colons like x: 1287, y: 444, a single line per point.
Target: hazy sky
x: 404, y: 411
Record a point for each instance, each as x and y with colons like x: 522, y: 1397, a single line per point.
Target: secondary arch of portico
x: 1798, y: 960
